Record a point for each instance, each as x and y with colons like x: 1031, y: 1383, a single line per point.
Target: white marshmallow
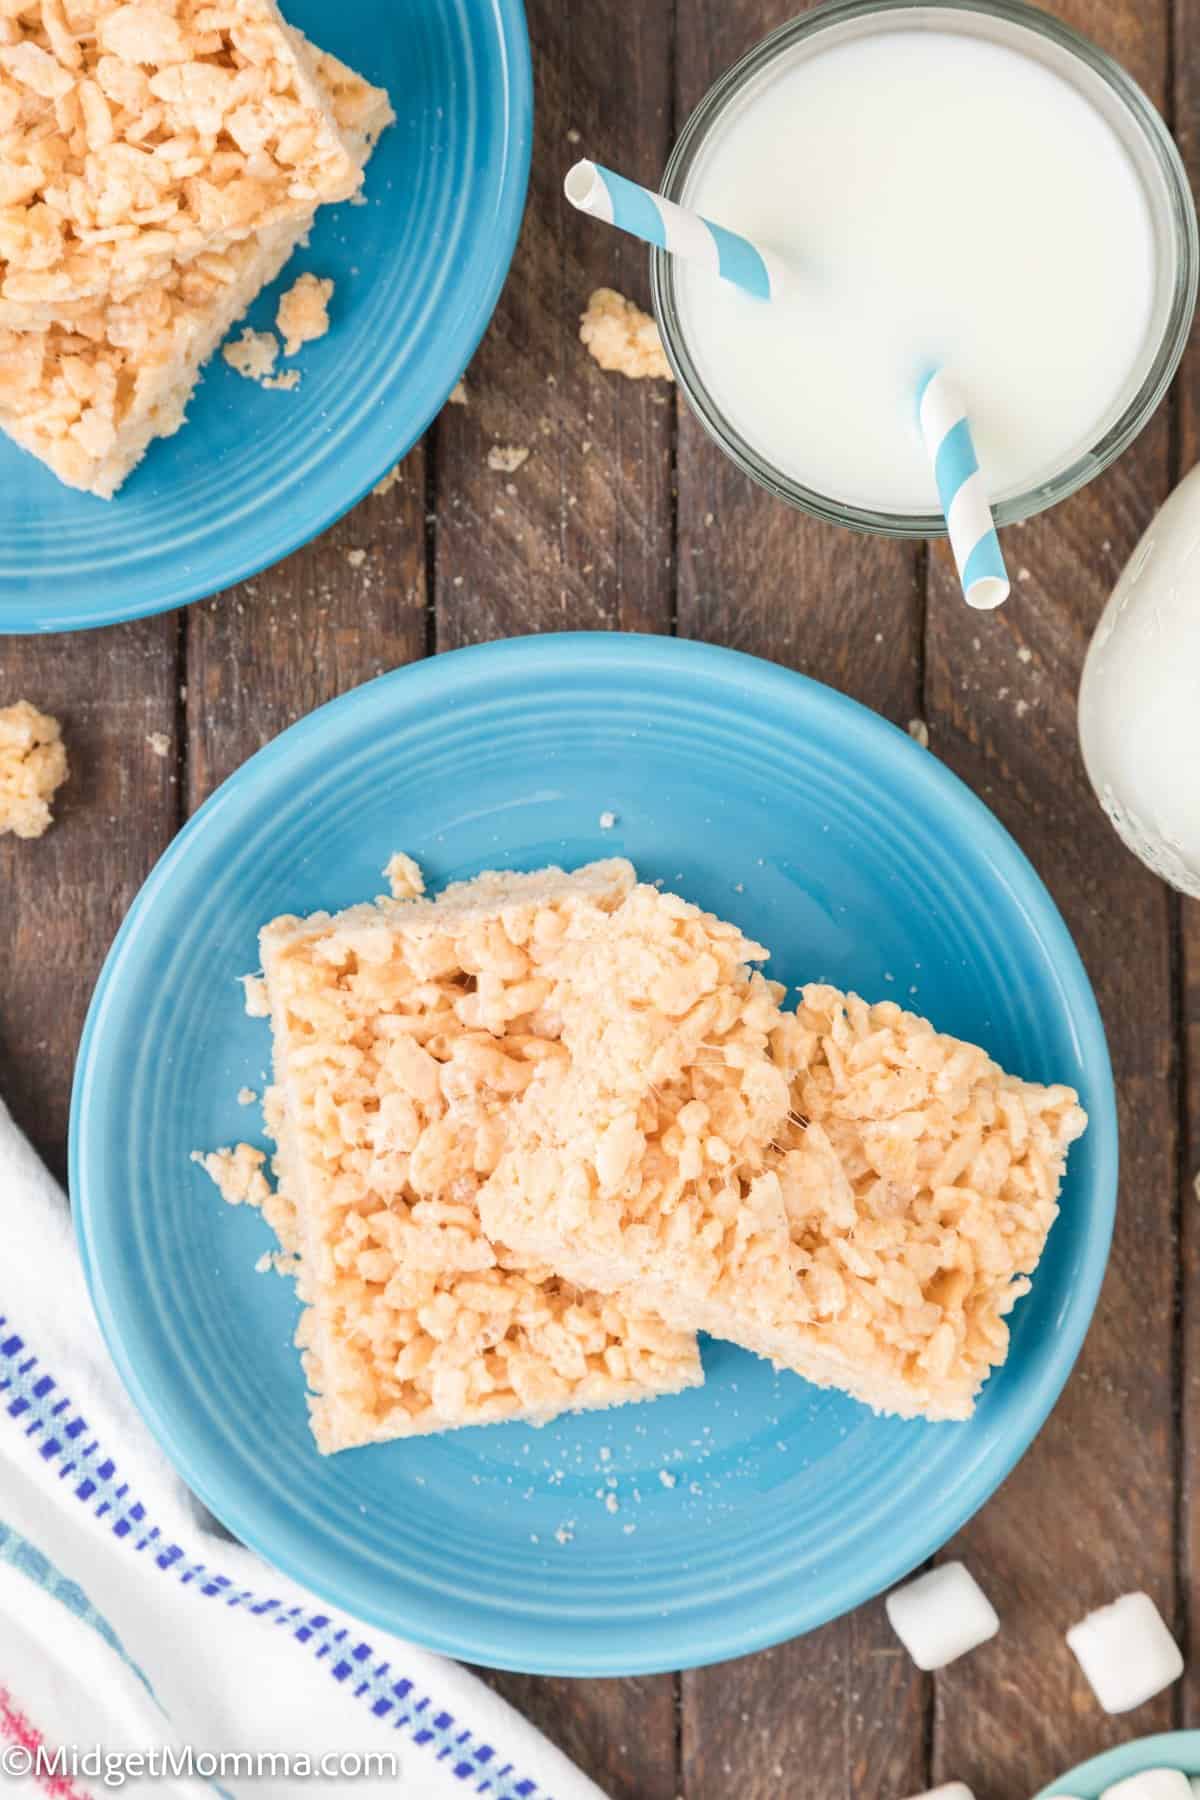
x: 953, y: 1790
x: 1126, y: 1652
x: 941, y: 1615
x: 1151, y: 1784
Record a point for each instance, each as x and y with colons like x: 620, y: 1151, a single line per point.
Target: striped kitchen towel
x: 130, y: 1628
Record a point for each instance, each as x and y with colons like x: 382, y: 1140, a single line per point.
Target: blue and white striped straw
x: 656, y: 220
x: 962, y: 494
x: 659, y: 221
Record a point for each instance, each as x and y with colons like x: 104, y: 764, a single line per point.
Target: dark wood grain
x: 63, y: 896
x: 343, y: 609
x: 1189, y: 1215
x: 1089, y: 1513
x: 1187, y: 420
x: 841, y: 1712
x: 578, y: 538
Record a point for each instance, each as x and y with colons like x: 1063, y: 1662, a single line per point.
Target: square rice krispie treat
x: 843, y: 1190
x: 90, y: 393
x: 136, y: 136
x: 404, y: 1033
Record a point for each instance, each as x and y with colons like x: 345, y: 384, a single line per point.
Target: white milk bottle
x: 966, y: 185
x: 1139, y: 702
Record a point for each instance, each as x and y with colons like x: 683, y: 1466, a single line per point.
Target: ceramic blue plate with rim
x: 418, y: 269
x: 1170, y: 1750
x: 656, y: 1536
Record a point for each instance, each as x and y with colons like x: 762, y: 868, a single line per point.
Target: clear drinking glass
x: 1114, y: 94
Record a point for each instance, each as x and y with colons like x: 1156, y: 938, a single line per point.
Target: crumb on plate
x: 303, y: 313
x: 237, y: 1172
x: 254, y: 989
x: 253, y: 355
x: 404, y: 877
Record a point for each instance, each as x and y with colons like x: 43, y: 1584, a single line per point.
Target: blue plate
x: 417, y: 271
x: 743, y: 1513
x: 1170, y: 1750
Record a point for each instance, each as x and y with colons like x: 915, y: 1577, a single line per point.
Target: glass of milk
x: 965, y: 183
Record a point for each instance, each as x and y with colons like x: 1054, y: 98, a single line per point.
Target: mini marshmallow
x: 941, y: 1615
x: 953, y: 1790
x: 1126, y: 1652
x: 1151, y: 1784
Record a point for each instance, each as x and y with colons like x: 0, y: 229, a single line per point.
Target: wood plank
x: 578, y: 538
x: 1089, y: 1513
x: 843, y: 1705
x: 63, y: 896
x: 1188, y: 971
x: 1187, y: 415
x: 344, y: 608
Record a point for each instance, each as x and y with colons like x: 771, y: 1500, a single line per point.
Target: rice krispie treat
x: 871, y: 1233
x: 88, y: 395
x: 404, y: 1032
x: 135, y: 137
x: 33, y: 766
x: 622, y: 338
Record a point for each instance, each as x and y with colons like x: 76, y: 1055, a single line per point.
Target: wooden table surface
x: 625, y: 516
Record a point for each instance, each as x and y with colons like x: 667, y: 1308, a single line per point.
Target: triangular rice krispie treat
x: 135, y: 137
x: 843, y: 1190
x: 89, y: 395
x: 404, y: 1032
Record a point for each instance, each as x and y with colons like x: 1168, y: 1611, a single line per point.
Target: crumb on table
x: 387, y: 482
x: 303, y: 313
x: 622, y: 338
x: 506, y: 459
x: 459, y: 395
x: 918, y: 729
x: 33, y: 766
x: 158, y: 742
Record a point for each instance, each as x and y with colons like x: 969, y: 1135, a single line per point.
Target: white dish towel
x: 128, y: 1626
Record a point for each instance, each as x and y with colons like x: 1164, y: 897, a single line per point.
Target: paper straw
x: 655, y: 220
x: 659, y: 221
x: 962, y: 494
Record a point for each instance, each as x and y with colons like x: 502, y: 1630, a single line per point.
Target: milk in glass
x: 944, y: 199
